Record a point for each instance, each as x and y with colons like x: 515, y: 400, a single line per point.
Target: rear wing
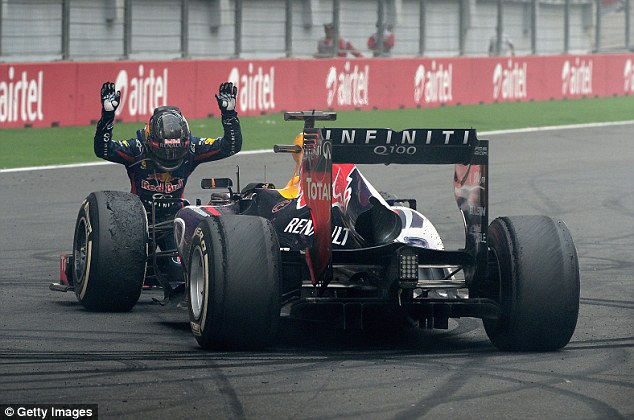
x: 412, y: 146
x: 461, y: 147
x: 457, y: 146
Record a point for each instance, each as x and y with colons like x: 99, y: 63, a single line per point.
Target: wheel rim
x: 197, y: 282
x: 80, y: 251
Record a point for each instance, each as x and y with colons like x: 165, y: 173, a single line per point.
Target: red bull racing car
x: 329, y: 247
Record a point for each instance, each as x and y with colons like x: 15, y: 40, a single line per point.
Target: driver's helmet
x: 167, y: 137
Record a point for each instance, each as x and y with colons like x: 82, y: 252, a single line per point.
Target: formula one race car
x: 329, y: 247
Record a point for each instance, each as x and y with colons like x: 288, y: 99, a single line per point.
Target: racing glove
x: 226, y: 98
x: 109, y: 98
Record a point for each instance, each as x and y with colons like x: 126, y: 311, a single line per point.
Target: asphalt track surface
x: 146, y: 364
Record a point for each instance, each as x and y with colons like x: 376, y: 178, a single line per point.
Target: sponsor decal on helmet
x: 171, y: 142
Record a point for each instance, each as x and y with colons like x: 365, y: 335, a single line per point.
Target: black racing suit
x: 148, y: 180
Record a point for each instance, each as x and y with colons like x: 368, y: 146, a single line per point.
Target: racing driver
x: 164, y: 153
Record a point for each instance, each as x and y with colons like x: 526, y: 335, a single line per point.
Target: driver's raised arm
x: 105, y: 147
x: 208, y: 149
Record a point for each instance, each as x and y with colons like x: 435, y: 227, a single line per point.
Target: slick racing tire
x: 234, y: 283
x: 536, y: 265
x: 110, y: 251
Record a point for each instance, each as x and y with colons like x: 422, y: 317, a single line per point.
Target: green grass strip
x: 64, y: 145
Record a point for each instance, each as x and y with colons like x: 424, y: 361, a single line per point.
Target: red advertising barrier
x: 49, y: 94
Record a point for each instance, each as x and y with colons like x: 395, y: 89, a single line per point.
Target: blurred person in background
x: 506, y: 46
x: 387, y: 40
x: 326, y: 45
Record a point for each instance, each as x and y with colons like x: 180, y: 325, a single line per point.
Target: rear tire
x: 538, y: 274
x: 110, y: 251
x: 234, y: 283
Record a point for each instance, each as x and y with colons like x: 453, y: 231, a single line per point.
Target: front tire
x: 110, y: 251
x: 538, y: 274
x: 234, y: 283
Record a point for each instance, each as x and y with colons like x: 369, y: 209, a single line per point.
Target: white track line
x: 255, y: 152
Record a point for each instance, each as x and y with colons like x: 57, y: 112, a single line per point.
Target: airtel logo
x: 433, y: 84
x: 21, y: 96
x: 348, y: 87
x: 256, y: 88
x: 142, y: 93
x: 576, y: 79
x: 510, y: 82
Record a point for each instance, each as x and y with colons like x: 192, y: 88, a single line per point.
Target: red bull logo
x: 162, y: 187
